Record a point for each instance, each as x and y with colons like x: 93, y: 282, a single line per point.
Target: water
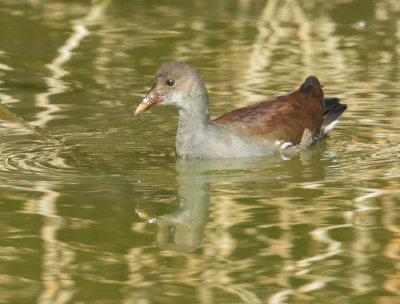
x: 102, y: 212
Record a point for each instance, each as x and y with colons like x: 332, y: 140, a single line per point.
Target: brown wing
x: 284, y: 117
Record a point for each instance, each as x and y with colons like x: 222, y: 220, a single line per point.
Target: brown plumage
x: 283, y: 118
x: 257, y: 129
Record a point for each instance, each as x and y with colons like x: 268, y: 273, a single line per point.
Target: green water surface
x: 94, y: 206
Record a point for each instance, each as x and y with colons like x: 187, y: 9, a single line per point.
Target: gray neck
x: 193, y: 124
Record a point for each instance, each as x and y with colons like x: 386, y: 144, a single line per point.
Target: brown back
x: 284, y: 117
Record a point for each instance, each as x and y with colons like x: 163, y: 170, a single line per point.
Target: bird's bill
x: 151, y: 99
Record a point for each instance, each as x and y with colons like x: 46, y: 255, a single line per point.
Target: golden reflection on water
x: 312, y: 228
x: 219, y: 244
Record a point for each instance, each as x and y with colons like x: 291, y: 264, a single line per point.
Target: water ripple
x: 31, y: 158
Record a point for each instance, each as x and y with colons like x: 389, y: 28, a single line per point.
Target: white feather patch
x: 282, y: 144
x: 329, y: 127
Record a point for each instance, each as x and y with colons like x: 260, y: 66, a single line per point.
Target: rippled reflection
x: 95, y: 208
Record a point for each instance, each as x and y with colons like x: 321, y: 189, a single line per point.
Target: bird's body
x: 293, y: 120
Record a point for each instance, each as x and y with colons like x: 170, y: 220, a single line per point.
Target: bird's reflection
x: 181, y: 230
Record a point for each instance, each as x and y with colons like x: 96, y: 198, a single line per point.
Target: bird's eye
x: 170, y: 82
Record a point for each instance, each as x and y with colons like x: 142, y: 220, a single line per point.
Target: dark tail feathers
x: 333, y: 110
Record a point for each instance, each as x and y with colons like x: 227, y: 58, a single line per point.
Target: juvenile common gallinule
x: 291, y: 121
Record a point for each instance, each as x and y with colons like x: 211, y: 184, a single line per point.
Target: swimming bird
x: 292, y: 121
